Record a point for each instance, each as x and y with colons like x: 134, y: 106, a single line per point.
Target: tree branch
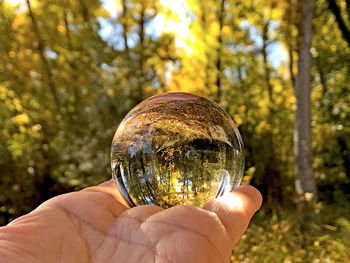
x: 45, y: 63
x: 332, y: 5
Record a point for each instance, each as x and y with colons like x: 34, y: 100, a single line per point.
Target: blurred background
x: 71, y: 70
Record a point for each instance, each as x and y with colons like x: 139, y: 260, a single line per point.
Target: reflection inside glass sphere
x: 176, y: 148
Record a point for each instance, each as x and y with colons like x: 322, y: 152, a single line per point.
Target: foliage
x: 276, y: 237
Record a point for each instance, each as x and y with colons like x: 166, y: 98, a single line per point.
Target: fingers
x: 194, y: 232
x: 236, y: 209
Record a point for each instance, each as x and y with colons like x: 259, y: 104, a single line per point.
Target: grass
x: 276, y: 237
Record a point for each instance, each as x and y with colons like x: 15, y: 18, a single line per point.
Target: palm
x: 95, y: 225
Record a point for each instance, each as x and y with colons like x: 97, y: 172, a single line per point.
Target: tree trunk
x: 305, y: 183
x: 124, y: 23
x: 272, y: 177
x: 344, y: 152
x: 221, y: 15
x: 142, y: 76
x: 206, y: 53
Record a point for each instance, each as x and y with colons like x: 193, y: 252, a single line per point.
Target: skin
x: 96, y: 225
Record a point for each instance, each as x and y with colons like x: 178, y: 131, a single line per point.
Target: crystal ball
x: 176, y: 148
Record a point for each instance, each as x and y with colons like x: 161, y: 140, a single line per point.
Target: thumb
x: 236, y: 209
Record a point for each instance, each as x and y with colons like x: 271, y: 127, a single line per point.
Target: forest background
x: 71, y: 70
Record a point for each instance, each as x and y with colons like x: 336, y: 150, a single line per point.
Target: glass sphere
x: 176, y: 148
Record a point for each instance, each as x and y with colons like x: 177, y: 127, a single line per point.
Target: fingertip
x: 251, y: 196
x: 246, y: 198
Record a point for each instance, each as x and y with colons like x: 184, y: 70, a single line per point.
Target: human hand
x: 96, y: 225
